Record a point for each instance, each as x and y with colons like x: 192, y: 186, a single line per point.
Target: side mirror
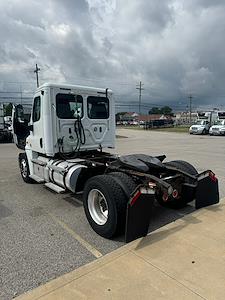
x: 30, y: 127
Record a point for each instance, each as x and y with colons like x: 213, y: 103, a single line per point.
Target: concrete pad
x: 189, y: 265
x: 182, y: 260
x: 140, y: 280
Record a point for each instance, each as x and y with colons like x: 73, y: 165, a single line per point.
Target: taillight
x: 175, y: 193
x: 212, y: 176
x: 165, y: 196
x: 136, y: 196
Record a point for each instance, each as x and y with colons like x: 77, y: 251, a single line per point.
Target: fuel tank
x: 65, y: 173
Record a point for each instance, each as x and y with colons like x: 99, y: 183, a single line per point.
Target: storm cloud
x: 174, y: 47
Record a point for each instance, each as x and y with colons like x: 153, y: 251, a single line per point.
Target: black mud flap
x: 207, y: 191
x: 139, y: 211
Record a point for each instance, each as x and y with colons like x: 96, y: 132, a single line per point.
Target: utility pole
x: 36, y: 71
x: 140, y: 88
x: 190, y: 107
x: 21, y: 96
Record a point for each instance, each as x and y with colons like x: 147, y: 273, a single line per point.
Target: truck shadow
x: 75, y: 200
x: 163, y: 234
x: 161, y: 216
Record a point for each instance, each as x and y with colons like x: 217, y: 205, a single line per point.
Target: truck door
x: 20, y: 126
x: 36, y: 135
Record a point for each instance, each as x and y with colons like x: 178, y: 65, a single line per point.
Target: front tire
x: 24, y: 168
x: 105, y: 205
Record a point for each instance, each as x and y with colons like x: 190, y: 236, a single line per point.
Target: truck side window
x: 98, y: 107
x: 69, y: 106
x: 36, y: 109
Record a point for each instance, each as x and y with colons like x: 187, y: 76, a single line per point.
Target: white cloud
x: 173, y: 46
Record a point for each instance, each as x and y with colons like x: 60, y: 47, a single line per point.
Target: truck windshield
x: 69, y: 106
x: 220, y: 122
x: 200, y: 122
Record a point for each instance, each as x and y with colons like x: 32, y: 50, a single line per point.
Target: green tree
x: 166, y: 110
x: 154, y: 111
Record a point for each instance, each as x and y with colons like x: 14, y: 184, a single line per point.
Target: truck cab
x: 219, y: 127
x: 64, y: 121
x: 56, y: 115
x: 204, y: 122
x: 200, y: 127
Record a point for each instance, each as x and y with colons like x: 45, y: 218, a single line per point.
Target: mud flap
x: 207, y: 191
x: 139, y: 211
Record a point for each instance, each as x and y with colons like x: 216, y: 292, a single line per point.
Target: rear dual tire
x: 105, y: 203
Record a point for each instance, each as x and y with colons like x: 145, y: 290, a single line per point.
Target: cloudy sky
x: 175, y: 47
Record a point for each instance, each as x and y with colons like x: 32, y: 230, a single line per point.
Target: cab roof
x: 74, y: 87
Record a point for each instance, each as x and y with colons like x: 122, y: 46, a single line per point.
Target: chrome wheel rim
x: 24, y: 170
x: 98, y: 207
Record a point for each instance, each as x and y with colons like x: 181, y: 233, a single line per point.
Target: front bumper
x: 196, y: 131
x: 216, y: 132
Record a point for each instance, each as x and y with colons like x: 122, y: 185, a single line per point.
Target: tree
x: 8, y: 109
x: 154, y: 111
x: 166, y: 110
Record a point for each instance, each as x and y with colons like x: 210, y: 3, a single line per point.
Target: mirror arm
x: 31, y: 127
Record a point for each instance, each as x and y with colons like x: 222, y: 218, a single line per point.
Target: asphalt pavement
x: 45, y: 235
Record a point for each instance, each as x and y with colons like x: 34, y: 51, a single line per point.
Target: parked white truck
x: 63, y: 148
x: 204, y: 122
x: 219, y: 127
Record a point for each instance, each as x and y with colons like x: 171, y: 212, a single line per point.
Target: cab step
x: 37, y: 178
x: 39, y: 162
x: 55, y: 187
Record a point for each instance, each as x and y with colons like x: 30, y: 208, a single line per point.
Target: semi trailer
x: 63, y: 146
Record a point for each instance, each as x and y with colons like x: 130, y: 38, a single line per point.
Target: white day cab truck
x: 63, y: 148
x: 204, y: 122
x: 219, y: 127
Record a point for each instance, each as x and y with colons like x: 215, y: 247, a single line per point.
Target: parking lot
x: 44, y: 235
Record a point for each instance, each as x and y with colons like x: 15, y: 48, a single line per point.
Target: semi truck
x: 64, y: 146
x: 204, y: 121
x: 219, y: 127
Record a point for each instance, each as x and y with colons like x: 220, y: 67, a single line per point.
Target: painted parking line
x: 77, y: 237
